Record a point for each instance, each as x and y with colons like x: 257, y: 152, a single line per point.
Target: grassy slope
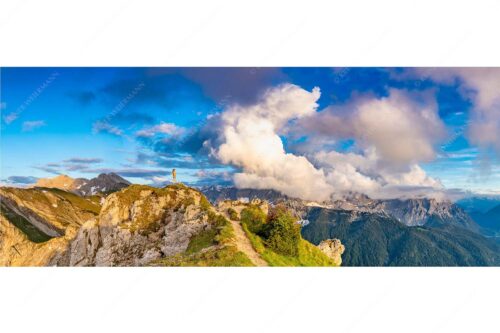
x: 31, y: 232
x: 89, y: 205
x: 309, y: 255
x: 227, y: 256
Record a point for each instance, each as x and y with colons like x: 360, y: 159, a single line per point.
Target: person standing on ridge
x: 174, y: 176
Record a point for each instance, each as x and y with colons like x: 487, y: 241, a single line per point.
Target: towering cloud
x: 393, y: 135
x: 251, y: 141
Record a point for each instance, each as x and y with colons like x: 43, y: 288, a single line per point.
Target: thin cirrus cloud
x: 70, y: 164
x: 20, y: 180
x: 29, y: 126
x: 162, y: 128
x: 130, y: 172
x: 83, y: 160
x: 48, y: 169
x: 105, y: 127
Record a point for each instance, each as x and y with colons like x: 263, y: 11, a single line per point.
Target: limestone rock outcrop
x: 333, y: 248
x: 138, y: 225
x: 36, y: 225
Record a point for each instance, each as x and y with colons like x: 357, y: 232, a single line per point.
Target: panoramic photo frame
x: 244, y: 166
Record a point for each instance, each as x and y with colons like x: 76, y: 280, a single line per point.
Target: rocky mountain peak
x: 62, y: 182
x: 112, y: 176
x: 417, y: 212
x: 103, y: 183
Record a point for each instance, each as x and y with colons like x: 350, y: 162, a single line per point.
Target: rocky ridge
x: 37, y: 224
x: 138, y: 225
x: 103, y: 183
x: 411, y: 212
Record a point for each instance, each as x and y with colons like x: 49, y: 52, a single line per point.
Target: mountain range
x: 408, y: 232
x: 106, y: 221
x: 103, y: 183
x: 410, y: 212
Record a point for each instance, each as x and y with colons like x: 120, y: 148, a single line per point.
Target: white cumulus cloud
x: 402, y: 129
x: 251, y: 141
x: 394, y: 134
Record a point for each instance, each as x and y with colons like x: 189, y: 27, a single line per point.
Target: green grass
x: 89, y: 205
x: 33, y: 233
x: 227, y: 256
x: 204, y: 203
x: 202, y: 240
x: 308, y: 254
x: 226, y: 232
x: 177, y: 186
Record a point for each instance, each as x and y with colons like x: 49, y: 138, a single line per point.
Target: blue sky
x: 142, y: 122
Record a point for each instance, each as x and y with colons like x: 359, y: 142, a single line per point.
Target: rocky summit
x: 104, y: 183
x: 62, y: 182
x: 139, y: 225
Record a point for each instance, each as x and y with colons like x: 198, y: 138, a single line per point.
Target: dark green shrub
x: 233, y: 215
x: 253, y: 218
x: 281, y: 232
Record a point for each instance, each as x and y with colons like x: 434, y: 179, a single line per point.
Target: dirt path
x: 244, y: 245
